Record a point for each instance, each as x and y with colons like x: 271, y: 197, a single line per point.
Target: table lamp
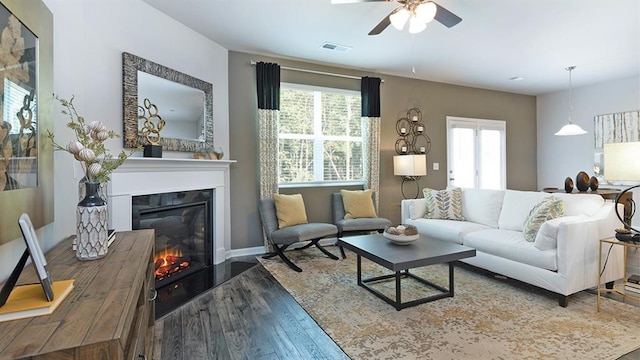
x: 411, y: 168
x: 622, y: 167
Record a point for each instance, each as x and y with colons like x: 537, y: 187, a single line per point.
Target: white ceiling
x: 496, y: 40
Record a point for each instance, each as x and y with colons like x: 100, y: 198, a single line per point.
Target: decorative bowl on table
x: 401, y: 234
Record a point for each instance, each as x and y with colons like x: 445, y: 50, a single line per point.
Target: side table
x: 617, y: 288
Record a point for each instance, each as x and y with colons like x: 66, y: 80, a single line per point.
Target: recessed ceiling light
x: 336, y: 47
x: 516, y: 78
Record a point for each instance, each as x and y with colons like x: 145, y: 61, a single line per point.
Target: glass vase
x: 91, y: 224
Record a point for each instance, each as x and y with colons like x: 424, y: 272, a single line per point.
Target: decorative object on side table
x: 594, y: 183
x: 401, y: 234
x: 151, y: 130
x: 98, y: 164
x: 582, y: 181
x: 568, y: 184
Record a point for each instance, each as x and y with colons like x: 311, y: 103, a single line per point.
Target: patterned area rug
x: 489, y: 318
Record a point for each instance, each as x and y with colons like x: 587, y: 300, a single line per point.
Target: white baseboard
x: 259, y: 250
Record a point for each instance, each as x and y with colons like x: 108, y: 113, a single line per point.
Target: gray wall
x: 562, y: 156
x: 398, y: 94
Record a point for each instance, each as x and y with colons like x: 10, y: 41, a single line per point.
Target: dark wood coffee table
x: 401, y: 258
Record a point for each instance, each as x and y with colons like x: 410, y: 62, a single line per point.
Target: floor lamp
x: 411, y: 168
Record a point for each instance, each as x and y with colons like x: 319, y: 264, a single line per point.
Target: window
x: 476, y: 153
x: 320, y: 135
x: 14, y: 101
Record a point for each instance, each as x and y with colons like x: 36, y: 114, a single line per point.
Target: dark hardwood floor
x: 248, y: 315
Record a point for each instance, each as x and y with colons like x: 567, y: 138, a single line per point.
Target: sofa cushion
x: 511, y: 245
x: 417, y: 208
x: 482, y: 206
x: 444, y: 204
x: 358, y: 204
x: 547, y: 237
x: 581, y: 204
x: 290, y: 210
x: 447, y: 230
x: 547, y: 208
x: 516, y: 207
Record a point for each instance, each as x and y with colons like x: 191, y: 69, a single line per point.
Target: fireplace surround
x: 150, y: 176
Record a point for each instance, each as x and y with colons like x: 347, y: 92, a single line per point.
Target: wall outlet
x: 436, y: 166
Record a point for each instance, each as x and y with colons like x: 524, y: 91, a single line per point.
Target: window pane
x: 296, y: 160
x: 463, y: 157
x: 320, y: 135
x: 340, y: 114
x: 490, y: 159
x: 342, y: 160
x: 296, y: 111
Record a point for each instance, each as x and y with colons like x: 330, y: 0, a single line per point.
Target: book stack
x: 633, y: 285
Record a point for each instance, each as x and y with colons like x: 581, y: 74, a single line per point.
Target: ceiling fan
x: 417, y: 12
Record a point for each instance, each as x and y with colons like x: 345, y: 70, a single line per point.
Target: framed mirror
x: 184, y: 102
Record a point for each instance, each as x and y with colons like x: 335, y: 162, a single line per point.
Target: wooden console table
x: 110, y: 313
x: 607, y: 194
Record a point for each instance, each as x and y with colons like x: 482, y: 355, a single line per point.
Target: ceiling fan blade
x: 446, y: 17
x: 381, y: 25
x: 356, y: 1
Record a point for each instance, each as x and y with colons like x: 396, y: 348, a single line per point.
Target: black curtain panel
x: 370, y: 93
x: 268, y: 84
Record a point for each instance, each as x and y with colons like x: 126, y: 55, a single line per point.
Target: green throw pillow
x: 547, y: 208
x: 444, y: 204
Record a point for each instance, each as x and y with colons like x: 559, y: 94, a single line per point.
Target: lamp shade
x: 410, y: 165
x: 570, y: 129
x: 621, y: 163
x: 399, y: 18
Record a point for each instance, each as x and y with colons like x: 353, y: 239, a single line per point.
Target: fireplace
x: 183, y: 250
x: 157, y: 189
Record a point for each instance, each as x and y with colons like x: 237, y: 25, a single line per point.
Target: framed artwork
x: 26, y: 111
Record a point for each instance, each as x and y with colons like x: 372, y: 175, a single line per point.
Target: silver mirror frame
x: 131, y: 64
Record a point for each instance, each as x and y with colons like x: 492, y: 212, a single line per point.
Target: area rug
x: 488, y: 318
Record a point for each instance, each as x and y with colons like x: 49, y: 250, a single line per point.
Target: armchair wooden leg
x: 344, y: 256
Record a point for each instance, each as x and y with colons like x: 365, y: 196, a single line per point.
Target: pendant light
x: 570, y: 128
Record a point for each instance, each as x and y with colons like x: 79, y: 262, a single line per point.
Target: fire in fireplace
x: 184, y: 239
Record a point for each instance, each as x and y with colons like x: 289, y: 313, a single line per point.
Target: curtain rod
x: 253, y: 63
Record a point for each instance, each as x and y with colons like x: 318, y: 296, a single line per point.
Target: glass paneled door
x: 476, y: 153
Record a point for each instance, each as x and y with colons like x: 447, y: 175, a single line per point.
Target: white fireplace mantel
x: 145, y: 176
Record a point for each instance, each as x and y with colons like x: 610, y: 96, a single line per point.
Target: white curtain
x: 370, y: 95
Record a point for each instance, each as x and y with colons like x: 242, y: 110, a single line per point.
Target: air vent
x: 336, y: 47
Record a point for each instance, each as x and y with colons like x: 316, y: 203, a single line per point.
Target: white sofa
x: 564, y: 257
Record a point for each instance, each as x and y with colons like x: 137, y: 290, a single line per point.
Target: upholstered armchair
x: 362, y: 220
x: 281, y: 236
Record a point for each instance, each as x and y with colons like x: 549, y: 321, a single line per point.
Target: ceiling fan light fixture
x: 416, y: 25
x: 426, y: 12
x: 399, y: 18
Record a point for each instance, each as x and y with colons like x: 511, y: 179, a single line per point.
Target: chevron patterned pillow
x: 547, y: 208
x: 444, y: 204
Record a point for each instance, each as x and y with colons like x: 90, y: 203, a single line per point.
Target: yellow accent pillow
x: 358, y: 204
x: 290, y: 210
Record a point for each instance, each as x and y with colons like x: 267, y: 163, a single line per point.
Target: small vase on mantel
x: 91, y: 224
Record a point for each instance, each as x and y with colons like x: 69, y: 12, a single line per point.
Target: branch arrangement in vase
x: 88, y: 148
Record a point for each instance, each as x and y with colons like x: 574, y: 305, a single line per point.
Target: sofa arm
x: 577, y: 255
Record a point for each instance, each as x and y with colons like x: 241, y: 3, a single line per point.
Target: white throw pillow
x: 417, y: 208
x: 547, y: 237
x: 547, y: 208
x: 482, y: 206
x: 516, y: 207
